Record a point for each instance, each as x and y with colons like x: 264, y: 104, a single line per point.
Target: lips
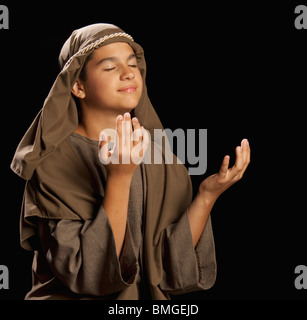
x: 128, y: 89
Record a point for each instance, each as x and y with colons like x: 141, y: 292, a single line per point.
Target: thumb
x: 224, y: 167
x: 103, y: 151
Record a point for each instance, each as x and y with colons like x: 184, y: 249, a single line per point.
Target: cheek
x: 139, y: 80
x: 99, y: 87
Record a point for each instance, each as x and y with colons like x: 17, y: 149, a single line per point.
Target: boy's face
x: 113, y: 80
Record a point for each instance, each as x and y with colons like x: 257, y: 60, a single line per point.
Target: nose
x: 127, y: 73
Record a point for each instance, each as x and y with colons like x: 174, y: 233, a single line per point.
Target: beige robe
x: 76, y: 259
x: 62, y: 188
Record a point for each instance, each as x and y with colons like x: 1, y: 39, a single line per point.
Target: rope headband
x: 96, y: 44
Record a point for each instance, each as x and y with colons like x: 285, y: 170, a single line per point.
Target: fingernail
x: 244, y: 142
x: 120, y: 117
x: 135, y: 119
x: 127, y: 115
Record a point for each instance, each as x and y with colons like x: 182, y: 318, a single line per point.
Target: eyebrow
x: 115, y: 59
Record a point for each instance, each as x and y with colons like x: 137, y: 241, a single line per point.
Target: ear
x: 78, y: 89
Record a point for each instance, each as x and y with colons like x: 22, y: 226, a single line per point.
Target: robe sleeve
x: 187, y: 269
x: 82, y: 254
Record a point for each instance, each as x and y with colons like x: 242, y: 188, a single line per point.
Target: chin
x: 123, y: 109
x: 130, y: 105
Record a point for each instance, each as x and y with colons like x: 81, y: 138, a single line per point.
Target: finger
x: 247, y: 157
x: 137, y: 133
x: 239, y: 159
x: 224, y: 167
x: 136, y: 123
x: 137, y: 136
x: 103, y: 152
x: 103, y: 139
x: 242, y: 159
x: 119, y: 129
x: 237, y: 167
x: 248, y: 154
x: 140, y: 148
x: 244, y: 146
x: 127, y: 129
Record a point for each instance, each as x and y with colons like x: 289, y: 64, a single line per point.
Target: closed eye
x: 130, y: 65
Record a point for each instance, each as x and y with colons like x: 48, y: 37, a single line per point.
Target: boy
x: 104, y: 229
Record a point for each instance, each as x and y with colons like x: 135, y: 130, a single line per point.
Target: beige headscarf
x: 169, y: 188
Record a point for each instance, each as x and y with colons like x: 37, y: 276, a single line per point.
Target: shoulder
x: 63, y: 185
x: 64, y: 166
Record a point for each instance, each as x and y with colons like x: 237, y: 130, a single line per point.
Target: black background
x: 237, y: 69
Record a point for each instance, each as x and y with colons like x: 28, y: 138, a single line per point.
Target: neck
x: 93, y: 122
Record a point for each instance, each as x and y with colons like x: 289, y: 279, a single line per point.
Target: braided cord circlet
x: 96, y: 44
